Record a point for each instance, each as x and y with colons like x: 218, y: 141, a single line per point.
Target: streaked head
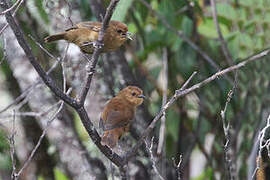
x: 132, y: 94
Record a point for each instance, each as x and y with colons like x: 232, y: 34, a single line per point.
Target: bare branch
x: 43, y: 49
x: 226, y: 127
x: 224, y: 46
x: 154, y: 164
x: 178, y: 167
x: 29, y: 159
x: 63, y: 69
x: 29, y: 89
x: 11, y: 8
x: 182, y: 92
x: 13, y: 14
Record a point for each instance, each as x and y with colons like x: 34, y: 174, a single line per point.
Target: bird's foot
x: 98, y: 44
x: 95, y: 44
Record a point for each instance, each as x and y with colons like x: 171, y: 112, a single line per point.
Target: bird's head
x: 133, y: 95
x: 117, y: 33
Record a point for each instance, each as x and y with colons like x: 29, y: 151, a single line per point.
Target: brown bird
x: 118, y: 114
x: 85, y: 34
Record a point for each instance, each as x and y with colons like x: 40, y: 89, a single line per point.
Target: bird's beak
x: 129, y: 35
x: 142, y: 96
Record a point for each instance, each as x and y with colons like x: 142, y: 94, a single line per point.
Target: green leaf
x: 59, y: 175
x: 172, y: 124
x: 208, y: 29
x: 121, y: 10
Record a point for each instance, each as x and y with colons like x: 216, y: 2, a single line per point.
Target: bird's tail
x: 55, y: 37
x: 109, y: 139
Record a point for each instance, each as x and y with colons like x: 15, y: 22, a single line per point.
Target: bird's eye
x: 119, y: 31
x: 133, y: 94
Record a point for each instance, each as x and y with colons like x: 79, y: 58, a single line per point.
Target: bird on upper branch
x: 118, y: 114
x: 85, y: 34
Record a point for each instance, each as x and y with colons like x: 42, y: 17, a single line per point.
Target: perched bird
x: 118, y: 114
x: 85, y: 34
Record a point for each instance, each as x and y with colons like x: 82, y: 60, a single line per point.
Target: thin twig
x: 224, y: 46
x: 13, y: 14
x: 30, y: 114
x: 29, y: 89
x: 154, y: 164
x: 226, y: 127
x: 11, y: 8
x: 63, y: 70
x: 29, y: 159
x: 43, y: 49
x: 178, y: 167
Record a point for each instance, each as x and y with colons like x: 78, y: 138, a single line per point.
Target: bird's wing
x: 116, y: 119
x: 94, y: 26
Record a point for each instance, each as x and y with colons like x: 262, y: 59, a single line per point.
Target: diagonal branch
x: 97, y: 51
x: 182, y: 92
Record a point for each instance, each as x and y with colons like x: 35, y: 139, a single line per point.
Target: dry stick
x: 27, y: 91
x: 41, y: 138
x: 180, y: 93
x: 63, y: 69
x: 98, y: 45
x: 31, y: 114
x: 13, y: 14
x: 12, y: 7
x: 162, y: 130
x: 44, y: 49
x: 34, y: 85
x: 220, y: 36
x: 178, y: 167
x: 154, y: 164
x: 47, y: 79
x: 226, y: 128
